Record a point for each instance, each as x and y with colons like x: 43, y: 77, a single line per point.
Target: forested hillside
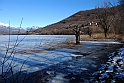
x: 108, y: 19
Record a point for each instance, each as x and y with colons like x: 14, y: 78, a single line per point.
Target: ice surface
x: 37, y: 52
x: 102, y: 42
x: 34, y: 61
x: 59, y: 79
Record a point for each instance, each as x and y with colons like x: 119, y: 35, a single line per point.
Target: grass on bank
x: 100, y: 36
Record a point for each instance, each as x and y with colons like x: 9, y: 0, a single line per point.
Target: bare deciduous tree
x: 77, y: 31
x: 7, y: 63
x: 121, y: 15
x: 121, y: 2
x: 89, y: 31
x: 106, y: 17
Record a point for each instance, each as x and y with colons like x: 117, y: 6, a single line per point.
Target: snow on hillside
x: 31, y: 28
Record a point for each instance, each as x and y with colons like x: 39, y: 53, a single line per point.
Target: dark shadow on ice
x: 85, y: 60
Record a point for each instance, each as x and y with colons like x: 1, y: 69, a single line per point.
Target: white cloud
x: 4, y: 24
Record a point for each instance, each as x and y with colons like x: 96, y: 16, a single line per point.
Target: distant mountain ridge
x: 5, y: 29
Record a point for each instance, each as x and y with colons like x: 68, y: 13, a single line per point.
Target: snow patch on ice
x: 59, y: 79
x: 113, y: 69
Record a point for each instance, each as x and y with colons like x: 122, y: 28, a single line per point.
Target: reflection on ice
x: 102, y: 42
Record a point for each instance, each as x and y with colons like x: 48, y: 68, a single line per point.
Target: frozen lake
x: 34, y: 49
x: 33, y: 53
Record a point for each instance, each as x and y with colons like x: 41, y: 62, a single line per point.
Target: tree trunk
x: 105, y: 32
x: 105, y: 35
x: 77, y: 39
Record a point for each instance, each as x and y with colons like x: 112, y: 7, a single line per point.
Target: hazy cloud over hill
x: 4, y: 24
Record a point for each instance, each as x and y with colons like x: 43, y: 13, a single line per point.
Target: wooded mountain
x: 108, y: 19
x: 62, y: 27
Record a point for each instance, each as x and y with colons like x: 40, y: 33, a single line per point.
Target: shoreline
x: 52, y: 73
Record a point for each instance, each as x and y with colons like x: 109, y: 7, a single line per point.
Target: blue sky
x: 41, y: 12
